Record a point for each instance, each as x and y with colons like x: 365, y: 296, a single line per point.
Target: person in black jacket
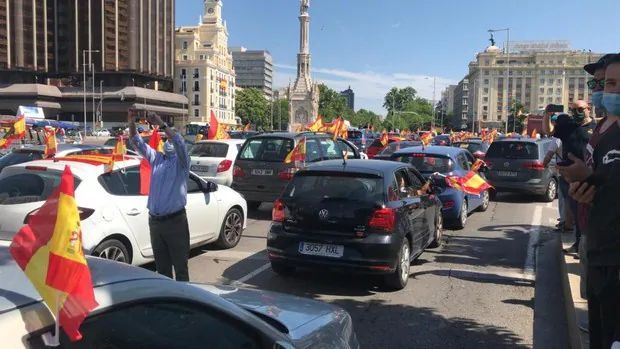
x: 599, y: 187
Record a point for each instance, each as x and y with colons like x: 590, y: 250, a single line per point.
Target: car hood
x: 304, y: 320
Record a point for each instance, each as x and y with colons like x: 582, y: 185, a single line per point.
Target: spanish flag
x: 384, y: 140
x: 534, y: 133
x: 247, y: 127
x: 298, y: 153
x: 157, y: 144
x: 120, y: 150
x: 299, y: 128
x: 317, y: 124
x: 477, y: 165
x: 49, y: 251
x: 471, y: 183
x: 51, y: 146
x: 216, y: 131
x: 426, y: 138
x: 19, y: 128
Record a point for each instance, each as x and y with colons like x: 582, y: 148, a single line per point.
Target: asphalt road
x: 476, y: 291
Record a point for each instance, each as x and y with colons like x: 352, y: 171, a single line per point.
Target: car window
x: 19, y: 157
x: 462, y: 160
x: 310, y: 185
x: 124, y: 182
x: 513, y: 150
x: 269, y: 149
x: 95, y: 151
x: 312, y: 150
x: 160, y: 325
x: 30, y: 187
x: 396, y: 146
x: 405, y: 186
x: 345, y: 149
x: 470, y: 159
x: 239, y: 147
x: 354, y: 134
x: 471, y: 147
x: 426, y: 163
x: 193, y: 185
x: 210, y: 150
x: 329, y: 148
x: 418, y: 182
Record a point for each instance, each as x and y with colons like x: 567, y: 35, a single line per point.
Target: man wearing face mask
x: 167, y: 198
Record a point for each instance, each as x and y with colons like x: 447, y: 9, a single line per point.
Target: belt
x: 167, y: 216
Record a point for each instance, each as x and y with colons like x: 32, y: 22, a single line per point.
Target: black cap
x: 591, y: 67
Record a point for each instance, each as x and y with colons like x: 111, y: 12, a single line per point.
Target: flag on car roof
x: 298, y: 153
x: 49, y: 251
x: 477, y: 165
x: 426, y: 138
x: 120, y: 150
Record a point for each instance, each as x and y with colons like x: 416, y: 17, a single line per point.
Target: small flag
x: 298, y: 153
x: 247, y: 127
x: 216, y: 131
x: 51, y: 146
x: 534, y: 133
x: 471, y: 183
x: 157, y: 144
x: 120, y: 150
x: 384, y: 140
x: 477, y: 165
x: 426, y: 138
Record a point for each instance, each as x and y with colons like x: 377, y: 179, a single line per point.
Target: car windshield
x: 326, y: 186
x: 428, y: 163
x: 513, y: 150
x: 29, y: 187
x: 209, y: 149
x: 19, y: 157
x: 271, y: 149
x: 472, y: 147
x: 395, y: 146
x: 354, y: 134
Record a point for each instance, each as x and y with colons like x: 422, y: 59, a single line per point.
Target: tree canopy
x: 251, y: 106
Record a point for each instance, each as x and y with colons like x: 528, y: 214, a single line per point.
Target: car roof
x: 357, y: 165
x: 522, y: 139
x: 291, y: 135
x: 80, y: 169
x: 439, y: 150
x: 61, y: 147
x: 233, y: 141
x: 476, y: 141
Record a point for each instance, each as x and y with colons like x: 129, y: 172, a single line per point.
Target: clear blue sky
x: 372, y: 45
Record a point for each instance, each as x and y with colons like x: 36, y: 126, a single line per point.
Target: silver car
x: 141, y: 309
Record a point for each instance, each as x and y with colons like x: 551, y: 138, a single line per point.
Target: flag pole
x: 48, y: 339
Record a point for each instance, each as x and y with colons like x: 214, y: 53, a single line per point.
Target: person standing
x: 555, y: 152
x: 168, y: 224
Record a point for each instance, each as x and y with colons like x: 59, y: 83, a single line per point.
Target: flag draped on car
x: 49, y: 251
x: 17, y: 131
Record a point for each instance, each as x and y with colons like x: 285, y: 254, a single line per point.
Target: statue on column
x: 305, y: 4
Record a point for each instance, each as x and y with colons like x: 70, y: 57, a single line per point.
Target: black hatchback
x: 365, y: 216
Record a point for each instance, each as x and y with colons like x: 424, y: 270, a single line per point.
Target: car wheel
x: 551, y: 192
x: 462, y: 220
x: 231, y: 230
x: 253, y: 205
x: 282, y: 269
x: 438, y: 231
x: 486, y: 198
x: 398, y: 280
x: 113, y: 250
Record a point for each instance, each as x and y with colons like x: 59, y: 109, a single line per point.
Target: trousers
x: 603, y: 288
x: 170, y: 242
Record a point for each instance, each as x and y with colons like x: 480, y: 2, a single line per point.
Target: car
x: 35, y: 152
x: 113, y: 213
x: 447, y: 161
x: 367, y: 216
x: 442, y: 139
x: 376, y: 146
x: 242, y: 134
x: 260, y: 173
x: 102, y: 133
x: 213, y: 160
x: 140, y: 309
x: 386, y: 153
x: 358, y: 138
x: 516, y: 165
x: 477, y: 147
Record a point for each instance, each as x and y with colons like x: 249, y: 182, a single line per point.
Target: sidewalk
x: 580, y: 306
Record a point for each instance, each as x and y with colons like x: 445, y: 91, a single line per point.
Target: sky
x: 374, y: 45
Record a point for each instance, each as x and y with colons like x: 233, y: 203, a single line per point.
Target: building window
x: 185, y: 45
x: 202, y: 57
x: 196, y: 113
x: 541, y: 100
x: 487, y: 62
x: 196, y: 85
x: 542, y: 81
x: 486, y: 72
x: 183, y: 73
x: 541, y: 90
x: 559, y: 81
x: 486, y: 81
x: 196, y: 73
x: 550, y: 81
x: 558, y: 100
x: 184, y: 57
x: 486, y: 90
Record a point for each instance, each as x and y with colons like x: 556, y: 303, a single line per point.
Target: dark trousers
x: 603, y: 288
x: 574, y: 207
x: 170, y: 241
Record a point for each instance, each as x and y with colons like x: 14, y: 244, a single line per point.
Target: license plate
x: 323, y: 250
x: 506, y: 174
x: 198, y: 168
x: 262, y: 172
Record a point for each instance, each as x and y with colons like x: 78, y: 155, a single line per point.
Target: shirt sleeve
x: 181, y: 150
x: 555, y: 145
x: 143, y: 149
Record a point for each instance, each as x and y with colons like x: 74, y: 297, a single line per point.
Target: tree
x: 516, y: 118
x: 406, y: 110
x: 251, y: 106
x: 280, y: 114
x: 396, y: 99
x: 365, y: 117
x: 332, y: 105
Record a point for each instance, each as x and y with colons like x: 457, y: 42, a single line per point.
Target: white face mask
x: 169, y: 149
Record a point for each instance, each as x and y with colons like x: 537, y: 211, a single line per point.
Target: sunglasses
x: 578, y: 110
x: 593, y: 83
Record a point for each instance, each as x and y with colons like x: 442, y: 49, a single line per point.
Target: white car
x: 102, y: 133
x: 213, y: 160
x: 113, y: 213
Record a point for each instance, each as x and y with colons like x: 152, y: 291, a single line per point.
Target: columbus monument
x: 304, y: 94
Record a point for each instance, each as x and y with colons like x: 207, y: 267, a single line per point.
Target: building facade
x: 532, y: 74
x: 254, y: 69
x: 118, y: 43
x: 349, y: 95
x: 447, y: 99
x: 204, y: 69
x: 460, y: 107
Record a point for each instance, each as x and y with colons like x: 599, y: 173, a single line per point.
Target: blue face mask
x: 597, y: 99
x: 611, y: 103
x: 169, y: 149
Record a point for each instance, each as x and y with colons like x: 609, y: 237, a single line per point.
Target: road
x: 476, y: 291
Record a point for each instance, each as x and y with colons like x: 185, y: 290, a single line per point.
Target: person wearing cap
x: 596, y: 186
x: 596, y: 84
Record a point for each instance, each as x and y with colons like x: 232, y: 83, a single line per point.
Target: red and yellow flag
x: 298, y: 153
x: 19, y: 128
x: 120, y: 150
x: 247, y: 127
x: 426, y: 138
x: 216, y: 131
x: 477, y: 165
x: 51, y: 146
x: 534, y: 133
x: 299, y: 128
x: 471, y: 183
x: 156, y: 143
x: 384, y: 140
x: 49, y: 251
x: 316, y: 125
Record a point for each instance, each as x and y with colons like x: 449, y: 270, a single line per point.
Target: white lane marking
x: 247, y: 277
x: 236, y: 255
x: 530, y: 259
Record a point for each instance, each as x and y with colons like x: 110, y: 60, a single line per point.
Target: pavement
x: 579, y: 309
x: 476, y: 291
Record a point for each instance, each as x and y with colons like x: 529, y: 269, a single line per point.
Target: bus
x: 193, y: 129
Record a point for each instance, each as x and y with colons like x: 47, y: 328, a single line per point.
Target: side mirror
x: 209, y: 187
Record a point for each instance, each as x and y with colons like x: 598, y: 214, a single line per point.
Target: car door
x: 413, y: 206
x: 463, y: 162
x: 428, y: 205
x: 202, y: 211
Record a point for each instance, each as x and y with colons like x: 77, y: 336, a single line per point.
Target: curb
x: 571, y: 313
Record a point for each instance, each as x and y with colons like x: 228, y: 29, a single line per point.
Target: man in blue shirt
x: 167, y: 198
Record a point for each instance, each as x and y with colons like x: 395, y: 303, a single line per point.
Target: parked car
x: 387, y: 152
x: 140, y: 309
x: 35, y: 152
x: 260, y: 173
x: 213, y: 160
x: 113, y: 213
x: 447, y: 161
x: 477, y: 147
x: 376, y: 147
x: 516, y: 165
x: 368, y: 216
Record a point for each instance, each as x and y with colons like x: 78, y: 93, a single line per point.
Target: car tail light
x: 383, y: 219
x: 488, y: 163
x: 535, y: 165
x: 288, y: 173
x: 224, y: 166
x: 36, y: 168
x: 237, y: 171
x: 83, y: 212
x: 277, y: 213
x: 448, y: 204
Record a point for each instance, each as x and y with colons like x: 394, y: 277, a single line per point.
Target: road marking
x: 247, y: 277
x: 481, y: 274
x: 236, y: 255
x: 530, y: 259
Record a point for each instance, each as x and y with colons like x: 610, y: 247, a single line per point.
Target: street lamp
x: 92, y: 69
x: 507, y: 49
x: 433, y: 105
x: 99, y: 112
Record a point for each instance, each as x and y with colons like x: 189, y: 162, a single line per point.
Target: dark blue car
x: 447, y: 161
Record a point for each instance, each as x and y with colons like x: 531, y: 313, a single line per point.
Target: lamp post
x: 120, y: 95
x: 84, y: 83
x: 507, y: 52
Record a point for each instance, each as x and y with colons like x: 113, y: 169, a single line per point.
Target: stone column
x: 19, y: 33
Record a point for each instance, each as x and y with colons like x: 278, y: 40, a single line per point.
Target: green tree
x: 251, y: 106
x: 331, y: 104
x: 396, y: 99
x: 280, y: 114
x: 365, y: 117
x: 406, y: 110
x: 516, y: 118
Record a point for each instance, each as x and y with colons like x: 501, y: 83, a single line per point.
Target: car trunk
x: 513, y: 161
x: 321, y: 202
x: 206, y: 157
